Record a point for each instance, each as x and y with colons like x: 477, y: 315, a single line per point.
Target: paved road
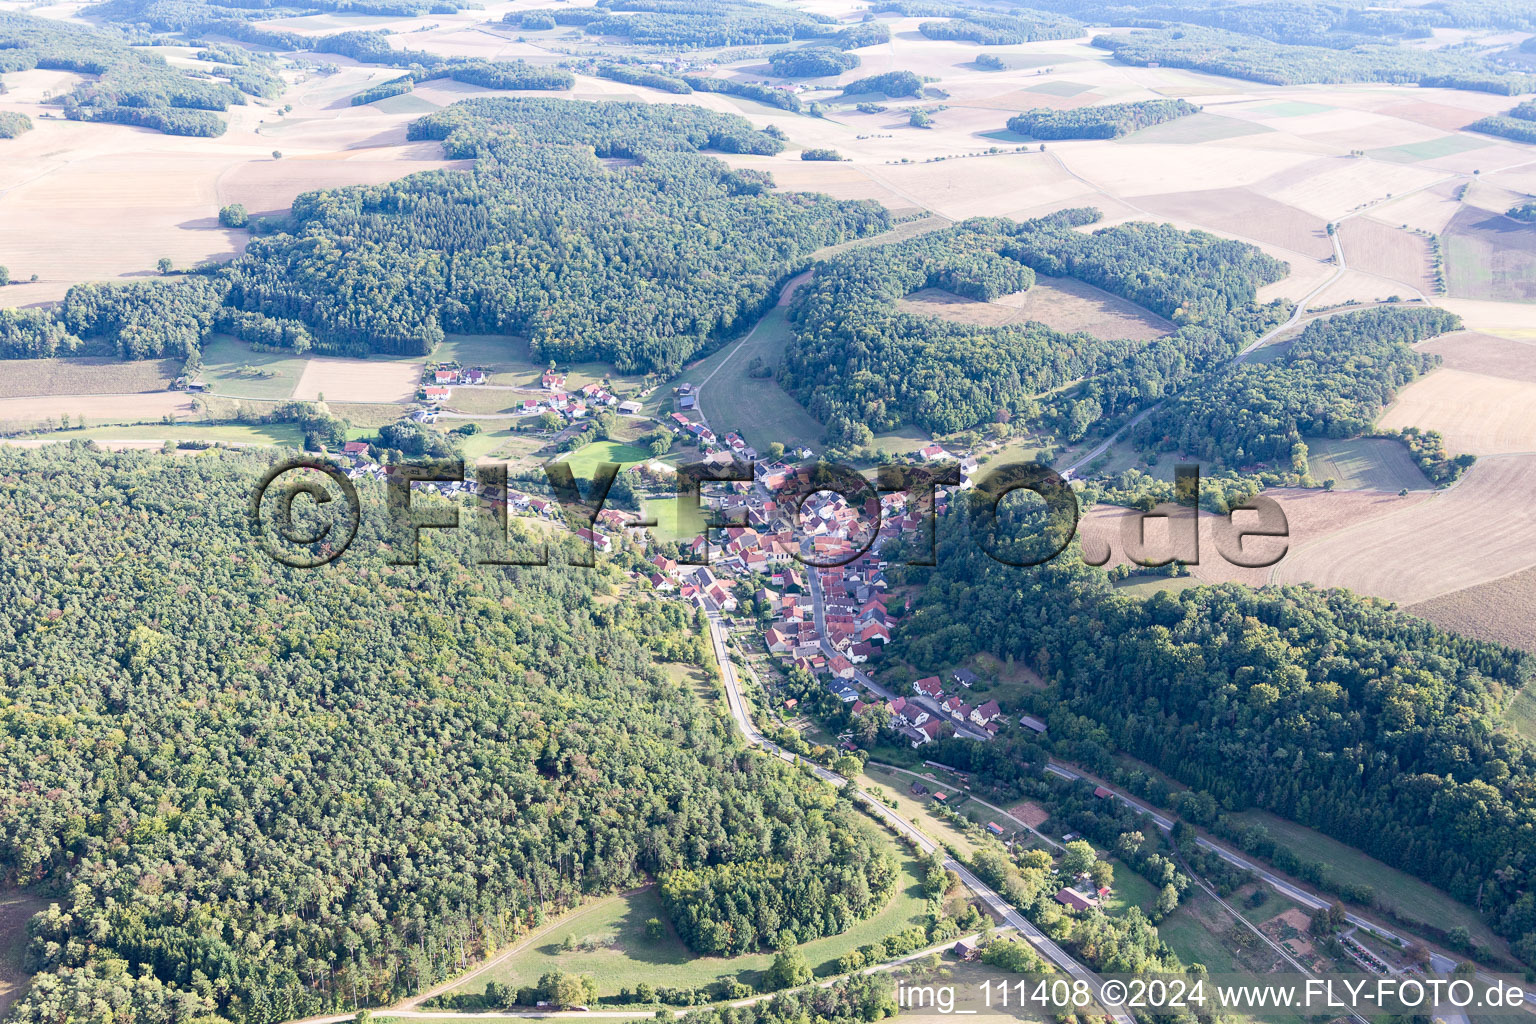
x: 739, y: 711
x: 1437, y: 961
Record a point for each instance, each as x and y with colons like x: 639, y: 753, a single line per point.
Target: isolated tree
x: 233, y: 216
x: 1079, y: 857
x: 5, y: 277
x: 165, y: 265
x: 788, y: 970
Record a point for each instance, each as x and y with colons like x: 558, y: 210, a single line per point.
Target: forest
x: 13, y: 124
x: 990, y: 29
x: 1332, y: 381
x: 1220, y: 52
x: 892, y: 84
x: 1518, y: 123
x: 812, y: 62
x: 683, y: 23
x: 1333, y: 710
x: 264, y: 793
x: 644, y: 266
x: 781, y: 98
x: 740, y: 907
x: 862, y: 365
x: 1104, y: 122
x: 131, y: 86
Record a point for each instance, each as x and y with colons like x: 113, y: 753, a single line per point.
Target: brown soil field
x: 1479, y: 530
x: 1387, y: 251
x: 359, y: 380
x: 1311, y: 516
x: 1436, y: 115
x: 1063, y: 303
x: 1485, y: 354
x: 97, y: 409
x: 1031, y: 814
x: 88, y: 375
x: 1242, y: 211
x: 1475, y: 412
x: 16, y: 909
x: 1501, y: 610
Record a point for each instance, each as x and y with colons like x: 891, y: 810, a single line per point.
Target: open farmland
x: 1063, y: 303
x: 1388, y: 251
x: 96, y: 408
x: 1501, y: 610
x: 1489, y: 256
x: 1484, y: 354
x: 1311, y: 517
x: 1366, y: 463
x: 236, y: 370
x: 1476, y: 412
x: 359, y: 380
x: 1245, y: 213
x: 84, y: 375
x: 1480, y: 529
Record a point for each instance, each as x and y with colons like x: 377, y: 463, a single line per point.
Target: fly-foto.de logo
x: 306, y: 513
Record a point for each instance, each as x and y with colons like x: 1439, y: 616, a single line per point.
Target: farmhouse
x: 1074, y: 900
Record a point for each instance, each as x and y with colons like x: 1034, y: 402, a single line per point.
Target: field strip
x: 1480, y: 529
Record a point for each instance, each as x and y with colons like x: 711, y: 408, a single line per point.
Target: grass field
x: 755, y: 407
x: 1365, y: 463
x: 1405, y: 895
x: 1489, y: 256
x: 269, y: 434
x: 224, y: 357
x: 621, y: 955
x: 1196, y: 936
x: 1413, y: 152
x: 1131, y: 890
x: 583, y: 461
x: 1522, y: 713
x: 1058, y: 87
x: 86, y: 375
x: 674, y: 521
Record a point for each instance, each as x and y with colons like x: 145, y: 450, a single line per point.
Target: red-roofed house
x: 929, y: 686
x: 985, y: 713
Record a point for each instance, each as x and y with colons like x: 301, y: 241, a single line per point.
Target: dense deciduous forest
x: 812, y: 62
x: 1106, y: 122
x: 893, y: 84
x: 991, y: 29
x: 1518, y: 123
x: 1251, y: 57
x: 821, y: 880
x: 643, y: 265
x: 860, y: 364
x: 1332, y: 381
x: 781, y: 98
x: 13, y: 124
x: 683, y: 23
x: 264, y: 793
x: 1329, y: 709
x: 130, y: 86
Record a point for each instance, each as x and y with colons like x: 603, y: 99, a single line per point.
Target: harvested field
x: 1160, y: 169
x: 1485, y: 354
x: 95, y: 408
x: 359, y: 380
x: 1430, y: 210
x: 1246, y: 213
x: 1436, y: 115
x: 1476, y: 413
x: 85, y: 375
x: 1489, y: 256
x: 268, y: 187
x: 1387, y: 251
x: 1063, y: 303
x: 1479, y: 530
x: 1311, y: 516
x: 1195, y: 129
x: 1347, y: 184
x: 1501, y: 610
x: 1002, y: 186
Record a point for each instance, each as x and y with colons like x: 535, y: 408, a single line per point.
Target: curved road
x: 1050, y: 950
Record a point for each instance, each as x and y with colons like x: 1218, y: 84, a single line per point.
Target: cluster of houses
x: 1082, y: 894
x: 445, y: 376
